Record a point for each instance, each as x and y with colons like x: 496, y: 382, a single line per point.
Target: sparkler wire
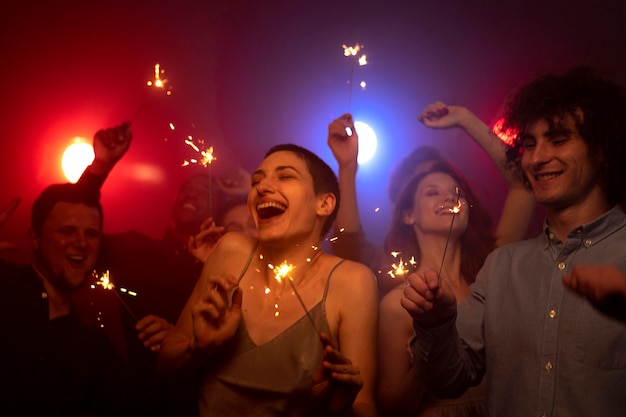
x: 445, y: 248
x: 306, y: 311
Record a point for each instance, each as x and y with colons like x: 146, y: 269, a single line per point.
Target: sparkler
x: 158, y: 83
x: 353, y: 51
x: 105, y: 282
x: 206, y: 160
x: 283, y: 272
x: 401, y: 268
x: 454, y: 210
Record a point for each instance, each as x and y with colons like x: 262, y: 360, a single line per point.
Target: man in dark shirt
x: 51, y: 362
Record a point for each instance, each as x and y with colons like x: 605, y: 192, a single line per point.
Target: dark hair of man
x: 602, y: 125
x: 476, y: 242
x: 324, y: 178
x: 67, y: 193
x: 404, y: 172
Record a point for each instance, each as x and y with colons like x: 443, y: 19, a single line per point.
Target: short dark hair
x: 67, y: 193
x: 602, y: 125
x: 324, y: 178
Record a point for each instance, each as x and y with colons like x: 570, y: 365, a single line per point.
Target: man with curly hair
x: 545, y: 349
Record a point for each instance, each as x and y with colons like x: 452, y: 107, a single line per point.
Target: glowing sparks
x: 402, y: 268
x: 282, y: 271
x: 104, y: 281
x: 158, y: 81
x: 361, y: 59
x: 207, y: 156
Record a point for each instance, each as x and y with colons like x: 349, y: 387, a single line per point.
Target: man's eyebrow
x: 558, y: 131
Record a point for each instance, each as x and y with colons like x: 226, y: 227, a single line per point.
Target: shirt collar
x: 592, y: 232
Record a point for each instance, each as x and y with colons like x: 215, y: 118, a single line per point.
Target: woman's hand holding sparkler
x: 337, y: 382
x: 214, y: 319
x: 5, y: 214
x: 202, y: 244
x: 343, y: 140
x: 429, y: 300
x: 152, y: 331
x: 109, y: 145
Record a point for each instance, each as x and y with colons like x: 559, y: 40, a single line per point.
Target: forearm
x: 492, y: 145
x: 348, y: 219
x: 442, y: 362
x: 403, y: 399
x: 177, y: 355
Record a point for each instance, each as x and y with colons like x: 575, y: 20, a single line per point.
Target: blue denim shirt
x: 545, y: 350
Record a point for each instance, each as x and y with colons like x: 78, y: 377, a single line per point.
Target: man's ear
x: 326, y: 205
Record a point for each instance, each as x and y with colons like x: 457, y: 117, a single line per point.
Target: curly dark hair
x: 602, y: 124
x: 476, y: 242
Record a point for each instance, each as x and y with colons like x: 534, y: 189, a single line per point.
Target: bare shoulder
x: 234, y: 242
x: 232, y: 248
x: 390, y: 304
x: 353, y: 278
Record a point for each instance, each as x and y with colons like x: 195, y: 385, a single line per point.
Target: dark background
x: 249, y: 74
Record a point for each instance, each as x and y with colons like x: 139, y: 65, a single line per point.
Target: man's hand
x: 603, y: 285
x: 428, y: 303
x: 109, y: 146
x: 152, y: 330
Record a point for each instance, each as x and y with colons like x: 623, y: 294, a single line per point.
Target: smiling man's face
x: 67, y: 249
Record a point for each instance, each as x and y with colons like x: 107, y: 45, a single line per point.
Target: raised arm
x: 519, y: 204
x: 109, y: 146
x: 345, y: 149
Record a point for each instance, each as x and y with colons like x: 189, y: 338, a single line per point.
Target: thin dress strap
x: 328, y: 279
x: 245, y: 267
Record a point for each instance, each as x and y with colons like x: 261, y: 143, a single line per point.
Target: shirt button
x: 44, y: 295
x: 587, y: 242
x: 552, y: 314
x: 561, y: 266
x: 548, y: 366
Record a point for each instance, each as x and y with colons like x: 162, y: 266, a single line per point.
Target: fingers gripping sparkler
x: 454, y: 210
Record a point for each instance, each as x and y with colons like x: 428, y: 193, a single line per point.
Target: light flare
x: 402, y: 268
x: 104, y: 281
x: 159, y: 82
x: 282, y: 273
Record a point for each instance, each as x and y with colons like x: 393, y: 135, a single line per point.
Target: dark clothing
x: 163, y: 275
x: 55, y: 367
